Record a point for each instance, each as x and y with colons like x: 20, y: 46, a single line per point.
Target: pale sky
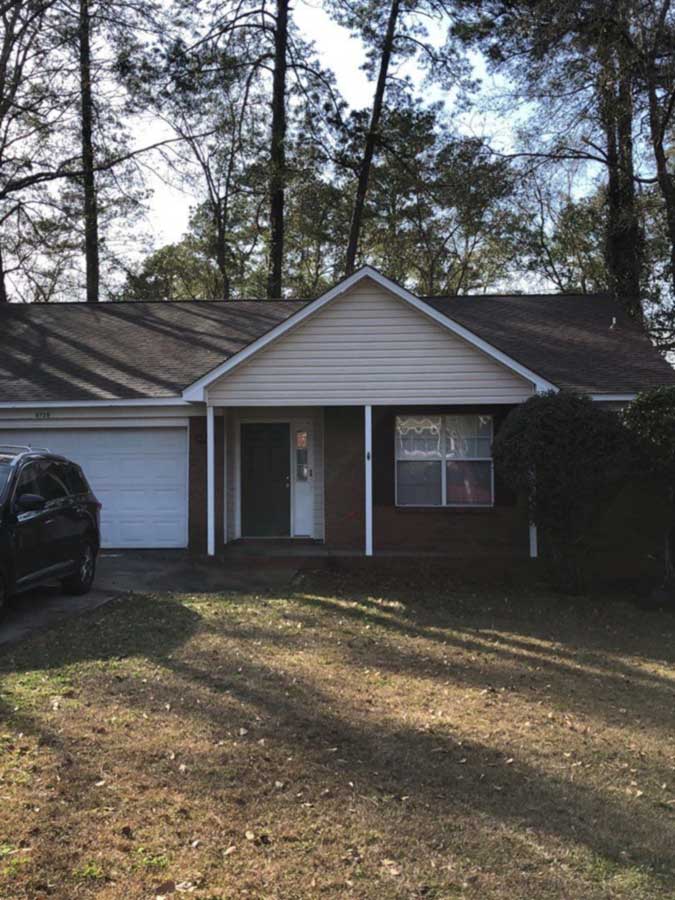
x: 339, y: 51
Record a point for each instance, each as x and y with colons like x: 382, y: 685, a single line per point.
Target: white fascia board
x: 70, y: 423
x: 195, y: 391
x: 86, y: 404
x: 613, y: 398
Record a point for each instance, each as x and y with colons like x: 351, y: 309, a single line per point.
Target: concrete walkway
x: 149, y: 571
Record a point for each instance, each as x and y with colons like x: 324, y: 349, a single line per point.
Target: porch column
x: 225, y: 476
x: 210, y: 481
x: 534, y: 543
x: 369, y: 478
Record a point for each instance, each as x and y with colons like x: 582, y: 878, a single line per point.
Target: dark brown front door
x: 266, y: 480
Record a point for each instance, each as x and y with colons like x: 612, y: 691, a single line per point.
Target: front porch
x: 322, y: 483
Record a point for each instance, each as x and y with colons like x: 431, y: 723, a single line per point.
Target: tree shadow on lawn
x: 443, y: 776
x: 147, y: 627
x: 383, y: 755
x: 137, y: 624
x: 592, y: 682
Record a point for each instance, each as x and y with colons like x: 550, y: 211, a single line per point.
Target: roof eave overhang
x: 613, y: 398
x: 197, y: 391
x: 100, y: 404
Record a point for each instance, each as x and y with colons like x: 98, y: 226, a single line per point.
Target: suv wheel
x: 83, y: 578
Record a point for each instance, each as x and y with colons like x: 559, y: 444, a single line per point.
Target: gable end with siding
x: 368, y: 346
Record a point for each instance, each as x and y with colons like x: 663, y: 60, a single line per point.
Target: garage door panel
x: 138, y: 474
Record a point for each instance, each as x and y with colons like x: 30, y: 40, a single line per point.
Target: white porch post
x: 225, y: 538
x: 369, y: 478
x: 534, y: 544
x: 210, y: 481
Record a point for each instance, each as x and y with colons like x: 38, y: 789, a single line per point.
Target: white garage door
x: 138, y: 474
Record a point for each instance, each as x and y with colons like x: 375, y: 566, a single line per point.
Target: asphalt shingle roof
x: 108, y: 351
x: 579, y: 342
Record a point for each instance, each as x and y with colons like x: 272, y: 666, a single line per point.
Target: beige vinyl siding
x: 368, y: 346
x: 293, y: 414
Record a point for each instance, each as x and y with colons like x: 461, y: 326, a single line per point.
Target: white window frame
x: 443, y: 461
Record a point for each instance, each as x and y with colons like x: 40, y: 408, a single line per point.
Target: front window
x: 444, y: 461
x: 29, y: 481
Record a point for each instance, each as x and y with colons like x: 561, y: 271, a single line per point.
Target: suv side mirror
x: 30, y: 503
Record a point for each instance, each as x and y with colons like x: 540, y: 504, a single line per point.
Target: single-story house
x: 362, y: 419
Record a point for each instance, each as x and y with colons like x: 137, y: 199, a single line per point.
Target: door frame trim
x: 292, y: 422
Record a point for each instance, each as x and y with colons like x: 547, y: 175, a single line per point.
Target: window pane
x: 418, y: 483
x: 468, y: 437
x: 418, y: 437
x: 52, y: 481
x: 301, y: 456
x: 75, y: 480
x: 468, y: 483
x: 5, y: 472
x: 28, y: 481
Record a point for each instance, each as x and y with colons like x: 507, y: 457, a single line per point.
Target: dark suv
x: 49, y: 522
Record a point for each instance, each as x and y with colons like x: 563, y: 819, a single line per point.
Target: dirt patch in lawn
x: 362, y: 736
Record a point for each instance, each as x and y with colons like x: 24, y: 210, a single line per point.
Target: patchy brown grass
x: 351, y: 739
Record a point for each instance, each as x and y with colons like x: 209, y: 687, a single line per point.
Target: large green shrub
x: 650, y: 420
x: 567, y: 455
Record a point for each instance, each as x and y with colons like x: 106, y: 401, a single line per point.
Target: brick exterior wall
x: 625, y: 542
x: 497, y: 533
x: 197, y: 484
x: 345, y: 489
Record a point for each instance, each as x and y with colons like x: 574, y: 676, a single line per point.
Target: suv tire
x: 81, y: 580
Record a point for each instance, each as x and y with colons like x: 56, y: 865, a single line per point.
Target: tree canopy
x: 557, y: 177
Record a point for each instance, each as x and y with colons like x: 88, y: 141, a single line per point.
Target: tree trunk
x: 221, y: 251
x: 371, y: 139
x: 623, y: 241
x: 665, y: 180
x: 88, y: 178
x: 278, y: 153
x: 3, y: 287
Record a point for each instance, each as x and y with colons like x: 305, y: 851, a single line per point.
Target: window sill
x: 473, y: 507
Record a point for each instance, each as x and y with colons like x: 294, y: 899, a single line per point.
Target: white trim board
x: 86, y: 404
x: 613, y: 398
x: 102, y: 423
x: 196, y: 391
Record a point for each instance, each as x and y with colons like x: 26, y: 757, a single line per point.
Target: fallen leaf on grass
x: 392, y: 867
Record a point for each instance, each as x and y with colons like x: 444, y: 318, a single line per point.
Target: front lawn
x: 358, y: 737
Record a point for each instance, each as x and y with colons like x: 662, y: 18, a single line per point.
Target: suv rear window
x: 52, y: 480
x: 75, y: 479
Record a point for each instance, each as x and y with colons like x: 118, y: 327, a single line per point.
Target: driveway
x: 148, y: 571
